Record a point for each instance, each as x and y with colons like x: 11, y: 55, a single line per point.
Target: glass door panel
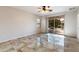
x: 51, y: 26
x: 56, y: 25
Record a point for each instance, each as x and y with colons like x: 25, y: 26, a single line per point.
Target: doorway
x: 56, y: 24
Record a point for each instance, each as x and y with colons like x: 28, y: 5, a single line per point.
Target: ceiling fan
x: 45, y: 9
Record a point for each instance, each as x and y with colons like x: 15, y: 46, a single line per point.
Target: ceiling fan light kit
x: 45, y: 9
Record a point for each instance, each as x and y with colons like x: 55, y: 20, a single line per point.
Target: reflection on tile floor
x: 41, y: 43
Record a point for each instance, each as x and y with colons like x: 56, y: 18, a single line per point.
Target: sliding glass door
x: 56, y: 24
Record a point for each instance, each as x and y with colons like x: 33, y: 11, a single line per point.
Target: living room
x: 28, y: 23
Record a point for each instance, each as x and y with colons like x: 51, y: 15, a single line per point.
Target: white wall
x: 78, y: 24
x: 43, y: 24
x: 70, y: 23
x: 16, y: 23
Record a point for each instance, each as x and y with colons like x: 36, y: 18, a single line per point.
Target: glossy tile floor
x: 41, y: 43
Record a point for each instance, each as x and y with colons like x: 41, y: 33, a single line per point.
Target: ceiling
x: 56, y: 9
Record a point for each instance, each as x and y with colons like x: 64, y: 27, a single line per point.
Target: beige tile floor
x: 71, y: 45
x: 29, y: 44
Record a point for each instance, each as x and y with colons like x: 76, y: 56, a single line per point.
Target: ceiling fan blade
x: 50, y: 10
